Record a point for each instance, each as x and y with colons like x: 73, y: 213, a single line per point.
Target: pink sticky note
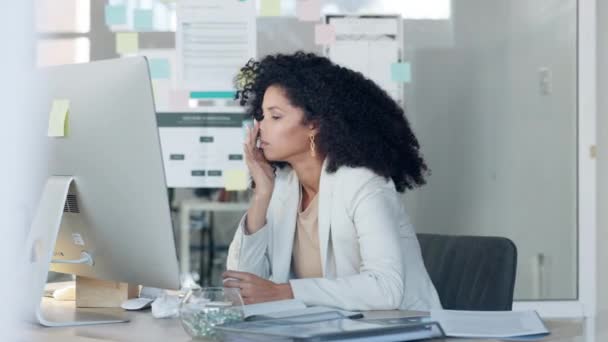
x: 308, y: 10
x: 325, y: 34
x: 178, y: 99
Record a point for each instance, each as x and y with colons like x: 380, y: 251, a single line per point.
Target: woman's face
x: 283, y: 137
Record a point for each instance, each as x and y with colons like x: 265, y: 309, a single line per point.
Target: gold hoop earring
x: 313, y: 151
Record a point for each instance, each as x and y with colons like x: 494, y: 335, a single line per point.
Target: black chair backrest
x: 471, y: 272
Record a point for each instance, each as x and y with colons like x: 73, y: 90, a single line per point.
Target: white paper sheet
x: 200, y: 148
x: 273, y: 307
x: 489, y: 324
x: 214, y: 39
x: 370, y: 46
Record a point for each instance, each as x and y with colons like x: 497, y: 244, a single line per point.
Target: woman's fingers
x: 252, y: 164
x: 253, y: 135
x: 238, y: 275
x: 232, y: 284
x: 256, y: 131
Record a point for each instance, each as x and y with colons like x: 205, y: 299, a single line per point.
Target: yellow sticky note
x: 59, y: 123
x: 235, y: 180
x: 270, y: 8
x: 127, y: 42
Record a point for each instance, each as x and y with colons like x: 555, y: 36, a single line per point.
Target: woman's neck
x: 309, y: 174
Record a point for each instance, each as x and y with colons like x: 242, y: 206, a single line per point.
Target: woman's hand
x: 263, y: 175
x: 255, y: 289
x: 260, y: 169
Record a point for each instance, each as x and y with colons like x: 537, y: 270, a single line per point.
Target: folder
x: 328, y: 326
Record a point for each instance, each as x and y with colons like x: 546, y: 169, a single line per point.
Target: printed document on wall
x: 214, y: 39
x: 203, y: 150
x: 370, y: 46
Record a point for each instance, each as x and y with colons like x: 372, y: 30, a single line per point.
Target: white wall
x: 602, y: 136
x: 503, y: 154
x: 18, y: 160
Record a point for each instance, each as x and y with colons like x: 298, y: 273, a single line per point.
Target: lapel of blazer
x: 285, y: 227
x: 286, y: 222
x: 326, y: 184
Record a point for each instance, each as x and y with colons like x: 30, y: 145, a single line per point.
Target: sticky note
x: 143, y: 20
x: 59, y: 124
x: 159, y: 68
x: 325, y: 34
x: 308, y: 10
x: 178, y: 99
x: 235, y: 180
x: 270, y: 8
x: 127, y: 42
x: 401, y: 72
x: 116, y: 15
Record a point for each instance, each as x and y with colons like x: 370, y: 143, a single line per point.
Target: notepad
x: 115, y: 15
x: 59, y: 118
x: 235, y: 180
x: 143, y: 20
x: 270, y: 8
x: 160, y: 68
x: 127, y: 42
x: 308, y: 10
x: 401, y: 72
x: 325, y: 34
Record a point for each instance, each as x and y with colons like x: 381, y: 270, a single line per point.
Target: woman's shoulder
x: 356, y: 184
x: 351, y: 178
x: 360, y: 176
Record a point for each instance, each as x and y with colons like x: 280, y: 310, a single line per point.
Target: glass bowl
x: 202, y: 309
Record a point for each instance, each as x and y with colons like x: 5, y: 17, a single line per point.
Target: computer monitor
x: 105, y: 196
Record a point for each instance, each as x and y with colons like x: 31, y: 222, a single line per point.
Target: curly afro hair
x: 360, y: 125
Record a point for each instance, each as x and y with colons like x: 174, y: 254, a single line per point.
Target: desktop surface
x: 144, y: 327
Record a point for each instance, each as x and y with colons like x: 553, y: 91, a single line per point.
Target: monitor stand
x: 40, y: 246
x: 54, y: 313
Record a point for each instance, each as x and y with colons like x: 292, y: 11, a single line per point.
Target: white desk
x: 185, y: 208
x: 144, y: 327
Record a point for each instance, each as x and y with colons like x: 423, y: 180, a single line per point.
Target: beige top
x: 306, y: 259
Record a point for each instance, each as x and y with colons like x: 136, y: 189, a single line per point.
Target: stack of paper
x: 290, y: 308
x: 490, y: 324
x: 329, y: 327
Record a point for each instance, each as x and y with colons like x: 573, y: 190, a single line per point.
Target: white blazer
x: 370, y: 255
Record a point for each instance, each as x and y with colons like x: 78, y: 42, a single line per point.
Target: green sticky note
x: 270, y: 8
x: 235, y: 180
x: 401, y: 72
x: 127, y: 42
x: 59, y: 123
x: 159, y: 68
x: 116, y: 15
x: 143, y: 20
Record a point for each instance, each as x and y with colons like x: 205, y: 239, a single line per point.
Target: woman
x: 326, y: 224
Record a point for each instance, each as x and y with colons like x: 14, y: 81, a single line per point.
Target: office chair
x: 471, y: 272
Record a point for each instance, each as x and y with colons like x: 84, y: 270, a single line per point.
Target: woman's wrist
x: 285, y: 291
x: 261, y: 196
x: 256, y: 215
